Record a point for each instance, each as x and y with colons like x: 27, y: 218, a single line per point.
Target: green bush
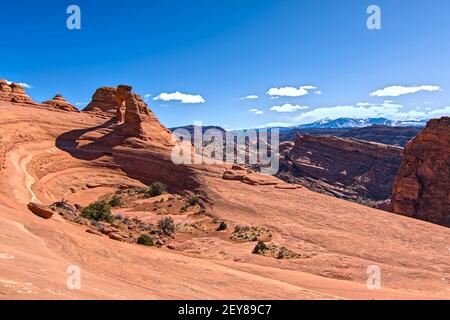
x: 145, y: 240
x: 260, y: 248
x: 166, y: 226
x: 194, y: 200
x: 98, y: 211
x: 156, y: 189
x: 115, y: 201
x: 222, y: 226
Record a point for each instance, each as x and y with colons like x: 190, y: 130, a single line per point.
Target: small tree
x: 166, y: 226
x: 145, y: 240
x: 98, y: 211
x: 156, y: 189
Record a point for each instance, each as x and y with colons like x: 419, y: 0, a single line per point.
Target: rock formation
x: 14, y: 93
x: 345, y: 168
x: 58, y: 102
x: 422, y: 186
x: 103, y: 101
x: 130, y: 112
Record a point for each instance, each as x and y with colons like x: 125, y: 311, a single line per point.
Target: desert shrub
x: 98, y: 211
x: 141, y: 190
x: 145, y: 240
x: 260, y: 248
x: 166, y: 226
x: 194, y: 200
x: 115, y: 201
x: 222, y: 226
x: 183, y: 209
x: 156, y: 189
x: 64, y: 205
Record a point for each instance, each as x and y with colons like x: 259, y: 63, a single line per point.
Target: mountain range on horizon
x: 346, y: 123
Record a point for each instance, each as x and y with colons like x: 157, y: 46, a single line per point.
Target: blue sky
x: 316, y: 58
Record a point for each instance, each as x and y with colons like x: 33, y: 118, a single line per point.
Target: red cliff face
x: 345, y: 168
x: 422, y: 187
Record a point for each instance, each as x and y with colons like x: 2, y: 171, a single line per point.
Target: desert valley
x: 96, y: 190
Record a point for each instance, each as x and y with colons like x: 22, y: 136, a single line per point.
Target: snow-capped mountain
x: 343, y: 123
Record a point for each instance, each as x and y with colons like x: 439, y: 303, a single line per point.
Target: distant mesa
x: 58, y: 102
x: 14, y: 93
x: 422, y: 187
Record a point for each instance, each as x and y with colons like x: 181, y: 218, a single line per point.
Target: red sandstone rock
x: 58, y: 102
x: 14, y: 93
x: 103, y: 101
x: 118, y: 237
x: 232, y: 175
x: 130, y: 110
x: 40, y: 210
x: 422, y: 186
x: 261, y: 179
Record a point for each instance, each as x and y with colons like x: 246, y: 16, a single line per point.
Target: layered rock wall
x: 422, y: 186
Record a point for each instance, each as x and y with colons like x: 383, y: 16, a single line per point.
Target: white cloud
x: 23, y: 84
x: 288, y: 108
x: 250, y: 97
x: 441, y: 112
x: 276, y: 124
x: 395, y: 91
x: 291, y: 91
x: 182, y: 97
x: 361, y: 110
x: 256, y: 111
x: 81, y: 104
x: 386, y: 110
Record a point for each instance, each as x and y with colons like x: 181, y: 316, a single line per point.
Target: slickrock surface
x: 47, y: 155
x: 349, y: 169
x: 422, y: 187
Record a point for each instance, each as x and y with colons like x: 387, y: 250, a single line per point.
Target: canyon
x: 116, y: 146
